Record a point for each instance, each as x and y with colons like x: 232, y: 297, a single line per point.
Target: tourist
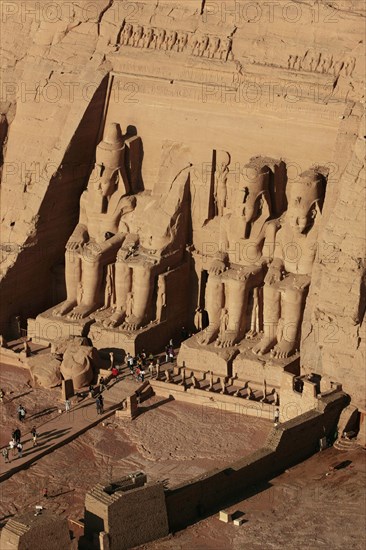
x: 151, y: 357
x: 167, y: 348
x: 130, y: 362
x: 157, y: 367
x: 276, y: 417
x: 16, y: 435
x: 2, y: 395
x: 21, y: 413
x: 151, y: 368
x: 102, y: 384
x: 34, y: 436
x: 115, y: 373
x: 5, y: 453
x: 13, y: 446
x: 171, y: 354
x: 67, y: 405
x: 137, y: 373
x: 142, y: 375
x: 98, y: 404
x: 20, y: 450
x: 91, y: 390
x: 101, y: 401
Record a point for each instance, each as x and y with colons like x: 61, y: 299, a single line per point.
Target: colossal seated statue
x: 157, y: 245
x: 239, y: 265
x: 289, y: 274
x: 105, y: 211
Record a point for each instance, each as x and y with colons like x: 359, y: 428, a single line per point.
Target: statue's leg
x: 91, y: 282
x: 271, y: 314
x: 292, y: 309
x: 254, y: 318
x: 236, y: 299
x: 142, y: 288
x: 92, y: 279
x: 73, y: 280
x: 123, y: 284
x: 214, y: 303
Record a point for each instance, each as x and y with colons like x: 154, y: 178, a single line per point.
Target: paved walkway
x: 65, y: 427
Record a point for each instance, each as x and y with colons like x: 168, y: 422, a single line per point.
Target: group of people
x: 15, y: 445
x: 137, y: 365
x: 143, y: 361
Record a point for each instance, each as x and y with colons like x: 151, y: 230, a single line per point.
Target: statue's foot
x: 283, y: 349
x: 64, y: 308
x: 114, y: 320
x: 251, y: 334
x: 207, y: 336
x: 132, y: 323
x: 227, y: 340
x: 264, y: 346
x: 80, y: 312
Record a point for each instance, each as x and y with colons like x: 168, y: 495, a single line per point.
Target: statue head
x: 305, y: 201
x: 256, y: 192
x: 109, y: 159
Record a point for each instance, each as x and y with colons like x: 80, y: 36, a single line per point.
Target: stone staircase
x: 98, y: 493
x: 17, y: 528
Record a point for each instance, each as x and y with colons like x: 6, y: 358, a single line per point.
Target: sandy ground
x: 170, y: 441
x: 311, y: 506
x: 308, y: 507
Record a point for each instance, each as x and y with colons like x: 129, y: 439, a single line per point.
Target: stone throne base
x: 198, y: 358
x: 46, y: 328
x: 237, y: 362
x: 255, y: 369
x: 151, y: 338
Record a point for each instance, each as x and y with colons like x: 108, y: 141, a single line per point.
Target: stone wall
x: 214, y: 404
x: 333, y: 332
x: 286, y: 445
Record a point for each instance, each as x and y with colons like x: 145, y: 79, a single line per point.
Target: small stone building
x: 114, y: 518
x: 41, y: 532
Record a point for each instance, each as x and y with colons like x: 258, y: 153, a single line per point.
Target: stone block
x: 225, y: 516
x: 67, y: 389
x: 250, y: 367
x: 152, y: 338
x: 238, y: 521
x: 47, y: 328
x: 199, y: 358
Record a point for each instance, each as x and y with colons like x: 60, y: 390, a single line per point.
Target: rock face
x: 203, y: 94
x: 333, y: 332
